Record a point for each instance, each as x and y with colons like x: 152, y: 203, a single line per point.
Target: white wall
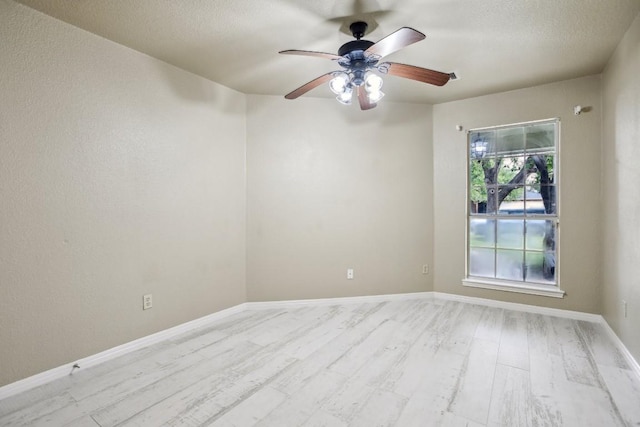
x: 332, y: 187
x: 580, y: 240
x: 621, y: 175
x: 119, y: 176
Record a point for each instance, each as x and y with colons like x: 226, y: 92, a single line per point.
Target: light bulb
x: 338, y: 84
x: 375, y: 95
x: 373, y: 83
x: 345, y: 97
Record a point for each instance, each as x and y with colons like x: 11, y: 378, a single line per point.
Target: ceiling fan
x: 360, y: 62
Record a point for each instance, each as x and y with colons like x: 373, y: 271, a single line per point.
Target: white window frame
x: 508, y: 285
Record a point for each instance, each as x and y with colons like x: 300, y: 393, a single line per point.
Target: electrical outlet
x: 147, y: 302
x: 350, y: 273
x: 425, y: 269
x: 624, y: 308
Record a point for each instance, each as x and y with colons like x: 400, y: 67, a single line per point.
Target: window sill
x: 522, y: 288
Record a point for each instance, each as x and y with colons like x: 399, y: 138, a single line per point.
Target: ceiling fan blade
x: 311, y: 53
x: 363, y: 98
x: 395, y: 41
x: 418, y: 73
x: 310, y: 85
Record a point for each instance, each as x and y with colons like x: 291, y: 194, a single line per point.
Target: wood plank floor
x: 415, y: 362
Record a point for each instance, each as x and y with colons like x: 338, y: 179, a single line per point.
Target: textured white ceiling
x: 493, y: 45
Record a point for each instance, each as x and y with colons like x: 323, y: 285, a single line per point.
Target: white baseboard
x: 633, y: 363
x: 338, y: 300
x: 567, y: 314
x: 61, y: 371
x: 64, y: 370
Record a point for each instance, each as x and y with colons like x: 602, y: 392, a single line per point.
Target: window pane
x: 541, y: 235
x: 477, y: 208
x: 482, y: 144
x: 540, y: 169
x: 551, y: 166
x: 511, y: 170
x: 541, y: 137
x: 542, y: 199
x: 540, y: 267
x: 481, y: 262
x: 510, y: 142
x: 509, y: 265
x: 477, y: 188
x: 533, y: 203
x: 541, y: 239
x: 482, y: 233
x: 513, y: 204
x: 492, y: 199
x: 548, y: 194
x: 535, y: 234
x: 510, y: 234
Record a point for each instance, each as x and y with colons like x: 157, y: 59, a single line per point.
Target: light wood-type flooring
x: 418, y: 362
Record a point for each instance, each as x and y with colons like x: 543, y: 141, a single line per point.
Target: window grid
x: 525, y: 152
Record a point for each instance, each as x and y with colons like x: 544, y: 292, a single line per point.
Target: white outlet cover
x: 147, y: 301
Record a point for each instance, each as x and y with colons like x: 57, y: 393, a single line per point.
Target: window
x: 512, y: 230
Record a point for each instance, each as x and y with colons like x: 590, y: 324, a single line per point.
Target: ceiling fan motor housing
x: 349, y: 47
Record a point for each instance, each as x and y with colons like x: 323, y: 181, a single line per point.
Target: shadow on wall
x: 196, y: 89
x: 387, y: 115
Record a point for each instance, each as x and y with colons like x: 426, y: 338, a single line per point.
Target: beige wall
x: 621, y: 176
x: 331, y: 187
x: 119, y: 176
x: 580, y: 253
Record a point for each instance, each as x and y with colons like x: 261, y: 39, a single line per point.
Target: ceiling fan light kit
x: 360, y: 62
x: 342, y: 85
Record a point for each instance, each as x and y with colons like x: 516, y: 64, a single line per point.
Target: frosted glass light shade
x: 345, y: 97
x: 373, y: 83
x: 338, y: 84
x: 375, y: 96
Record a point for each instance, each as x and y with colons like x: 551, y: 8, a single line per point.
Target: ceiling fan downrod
x: 358, y: 29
